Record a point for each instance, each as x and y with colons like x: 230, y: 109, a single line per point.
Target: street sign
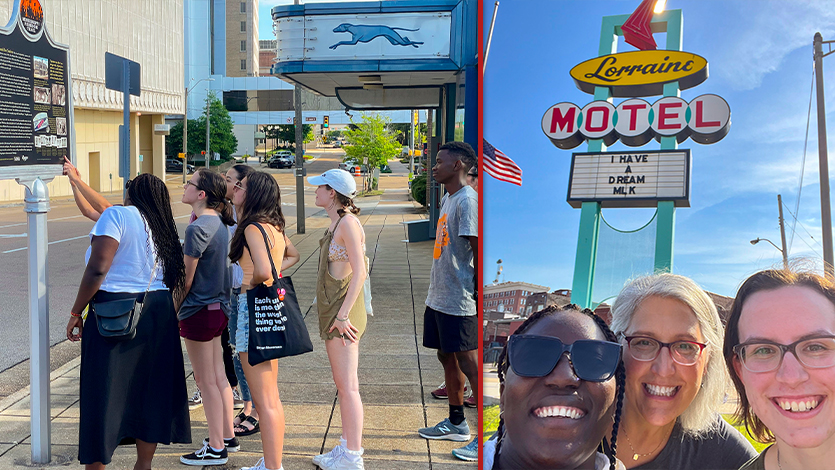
x: 113, y: 76
x: 630, y: 179
x: 181, y: 156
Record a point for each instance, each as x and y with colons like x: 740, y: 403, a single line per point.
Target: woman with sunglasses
x: 675, y: 378
x: 204, y: 310
x: 134, y: 391
x: 257, y: 202
x: 555, y: 410
x: 780, y: 349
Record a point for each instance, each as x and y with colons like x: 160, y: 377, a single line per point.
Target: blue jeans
x: 233, y: 329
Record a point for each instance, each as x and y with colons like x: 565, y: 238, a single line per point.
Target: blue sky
x: 760, y: 61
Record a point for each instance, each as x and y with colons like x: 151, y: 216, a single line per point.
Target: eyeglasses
x: 238, y: 185
x: 536, y: 356
x: 765, y: 356
x: 185, y: 186
x: 644, y: 348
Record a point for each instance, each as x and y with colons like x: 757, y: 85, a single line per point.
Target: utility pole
x: 783, y: 234
x: 185, y: 138
x: 826, y: 215
x: 412, y: 145
x: 297, y: 98
x: 208, y: 126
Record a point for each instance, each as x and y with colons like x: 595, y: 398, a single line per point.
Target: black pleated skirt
x: 134, y: 389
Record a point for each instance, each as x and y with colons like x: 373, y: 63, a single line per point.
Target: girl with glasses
x: 675, y: 378
x: 204, y: 310
x: 780, y: 349
x: 561, y: 383
x: 257, y: 200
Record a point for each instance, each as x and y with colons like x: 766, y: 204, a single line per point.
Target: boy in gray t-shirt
x: 450, y: 323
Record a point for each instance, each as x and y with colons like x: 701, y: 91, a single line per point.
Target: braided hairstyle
x: 149, y: 195
x: 214, y: 186
x: 620, y: 373
x: 346, y: 203
x: 262, y: 204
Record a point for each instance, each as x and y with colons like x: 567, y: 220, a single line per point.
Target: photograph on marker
x: 41, y: 67
x: 42, y: 95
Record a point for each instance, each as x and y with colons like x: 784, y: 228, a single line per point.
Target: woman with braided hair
x: 675, y: 378
x: 556, y: 412
x: 133, y: 391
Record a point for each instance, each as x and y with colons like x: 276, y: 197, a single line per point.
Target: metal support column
x: 36, y: 206
x: 297, y: 98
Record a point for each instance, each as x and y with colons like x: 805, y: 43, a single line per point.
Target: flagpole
x: 490, y: 36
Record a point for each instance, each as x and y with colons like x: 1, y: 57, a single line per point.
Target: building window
x: 243, y: 7
x: 243, y: 26
x: 243, y: 46
x: 243, y: 64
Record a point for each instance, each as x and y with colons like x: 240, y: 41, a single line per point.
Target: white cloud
x: 773, y: 29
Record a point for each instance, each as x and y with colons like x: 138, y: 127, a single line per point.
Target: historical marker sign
x: 36, y: 118
x: 630, y: 179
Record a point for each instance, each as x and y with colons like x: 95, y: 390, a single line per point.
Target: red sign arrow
x: 637, y: 30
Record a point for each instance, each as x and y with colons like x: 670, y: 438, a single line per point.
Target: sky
x: 760, y: 61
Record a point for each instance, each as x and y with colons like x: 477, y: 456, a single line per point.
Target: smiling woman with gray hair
x: 675, y: 378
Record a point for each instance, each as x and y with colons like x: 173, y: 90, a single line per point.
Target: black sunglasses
x: 536, y: 356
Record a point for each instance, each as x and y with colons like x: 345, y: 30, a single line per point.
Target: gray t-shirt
x: 724, y: 449
x: 208, y: 239
x: 451, y: 280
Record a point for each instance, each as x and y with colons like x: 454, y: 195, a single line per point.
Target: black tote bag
x: 276, y: 325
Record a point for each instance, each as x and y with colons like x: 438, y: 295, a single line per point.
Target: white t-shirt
x: 134, y: 259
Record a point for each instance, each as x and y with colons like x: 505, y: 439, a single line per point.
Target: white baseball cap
x: 340, y: 180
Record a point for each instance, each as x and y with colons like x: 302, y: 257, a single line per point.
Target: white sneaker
x: 347, y: 460
x: 259, y: 466
x: 322, y: 460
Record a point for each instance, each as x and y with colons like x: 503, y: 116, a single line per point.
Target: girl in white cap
x: 341, y: 305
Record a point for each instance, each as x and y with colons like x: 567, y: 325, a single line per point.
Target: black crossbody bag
x: 276, y: 325
x: 117, y: 319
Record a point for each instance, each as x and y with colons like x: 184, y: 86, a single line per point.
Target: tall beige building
x: 242, y: 38
x: 148, y: 32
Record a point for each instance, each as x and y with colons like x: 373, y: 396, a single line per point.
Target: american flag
x: 499, y: 166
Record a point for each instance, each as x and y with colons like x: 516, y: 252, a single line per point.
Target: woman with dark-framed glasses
x: 561, y: 383
x: 780, y: 349
x: 675, y: 378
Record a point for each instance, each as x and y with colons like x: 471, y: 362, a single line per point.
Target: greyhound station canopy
x: 411, y: 54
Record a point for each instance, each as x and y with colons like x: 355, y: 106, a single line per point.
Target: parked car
x: 337, y: 144
x: 175, y: 165
x: 349, y: 165
x: 385, y: 169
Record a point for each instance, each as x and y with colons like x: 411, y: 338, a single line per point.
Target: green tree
x: 372, y: 143
x: 405, y: 129
x: 223, y: 140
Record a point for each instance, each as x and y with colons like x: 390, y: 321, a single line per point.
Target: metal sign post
x: 36, y: 207
x: 40, y: 110
x: 121, y: 74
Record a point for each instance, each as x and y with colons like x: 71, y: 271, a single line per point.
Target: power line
x: 805, y: 230
x: 803, y: 163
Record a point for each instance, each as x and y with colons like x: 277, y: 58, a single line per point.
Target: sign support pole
x: 36, y: 207
x: 665, y: 228
x: 586, y: 257
x: 124, y: 130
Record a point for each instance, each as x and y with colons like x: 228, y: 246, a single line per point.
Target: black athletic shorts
x: 449, y: 333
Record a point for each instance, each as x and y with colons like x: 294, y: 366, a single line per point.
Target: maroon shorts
x: 204, y: 325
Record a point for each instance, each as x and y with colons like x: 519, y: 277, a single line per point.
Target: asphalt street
x: 68, y: 241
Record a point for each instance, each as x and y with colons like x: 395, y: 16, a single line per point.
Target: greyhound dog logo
x: 368, y: 32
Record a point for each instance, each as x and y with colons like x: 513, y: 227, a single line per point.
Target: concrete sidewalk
x: 396, y: 372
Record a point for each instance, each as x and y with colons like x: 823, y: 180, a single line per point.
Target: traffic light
x: 326, y: 121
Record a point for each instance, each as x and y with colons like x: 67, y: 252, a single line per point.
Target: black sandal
x: 241, y: 417
x: 247, y: 432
